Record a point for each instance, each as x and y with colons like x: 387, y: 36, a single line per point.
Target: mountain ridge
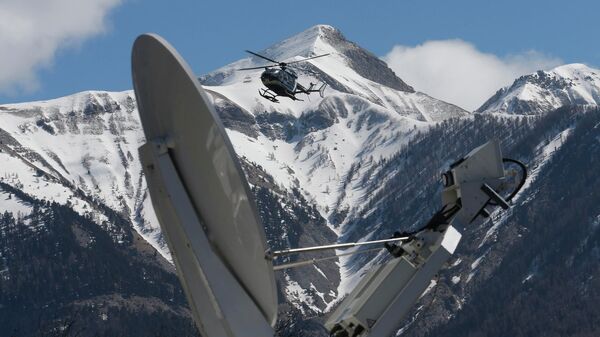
x: 569, y: 84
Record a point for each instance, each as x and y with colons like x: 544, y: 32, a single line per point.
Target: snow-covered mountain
x: 360, y: 163
x: 76, y: 220
x: 79, y: 150
x: 571, y: 84
x: 367, y: 114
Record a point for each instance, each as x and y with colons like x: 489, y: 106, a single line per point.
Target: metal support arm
x: 272, y: 255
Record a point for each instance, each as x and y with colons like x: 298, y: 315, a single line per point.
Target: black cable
x: 519, y: 186
x: 523, y: 179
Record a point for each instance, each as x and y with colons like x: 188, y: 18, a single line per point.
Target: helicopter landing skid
x: 268, y: 94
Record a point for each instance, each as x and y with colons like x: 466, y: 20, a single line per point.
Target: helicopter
x: 280, y: 80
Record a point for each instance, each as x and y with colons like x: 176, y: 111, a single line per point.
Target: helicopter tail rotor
x: 322, y: 90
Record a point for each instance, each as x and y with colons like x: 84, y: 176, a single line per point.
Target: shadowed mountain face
x: 63, y: 274
x: 547, y: 284
x: 82, y: 249
x: 488, y: 288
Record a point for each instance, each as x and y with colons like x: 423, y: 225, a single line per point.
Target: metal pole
x: 277, y: 253
x: 313, y: 261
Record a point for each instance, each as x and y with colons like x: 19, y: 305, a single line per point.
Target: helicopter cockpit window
x: 288, y: 79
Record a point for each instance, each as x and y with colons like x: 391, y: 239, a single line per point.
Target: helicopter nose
x: 266, y: 78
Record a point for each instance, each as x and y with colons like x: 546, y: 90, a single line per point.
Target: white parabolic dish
x: 174, y: 107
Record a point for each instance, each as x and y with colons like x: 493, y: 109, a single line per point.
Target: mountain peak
x: 316, y: 40
x: 574, y: 70
x: 569, y: 84
x: 323, y: 28
x: 576, y: 66
x: 309, y: 42
x: 321, y: 39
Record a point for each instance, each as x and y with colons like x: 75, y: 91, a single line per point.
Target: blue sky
x: 95, y: 52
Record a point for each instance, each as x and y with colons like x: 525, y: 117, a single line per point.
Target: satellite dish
x: 201, y: 198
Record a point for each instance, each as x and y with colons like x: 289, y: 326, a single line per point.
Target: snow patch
x: 298, y: 296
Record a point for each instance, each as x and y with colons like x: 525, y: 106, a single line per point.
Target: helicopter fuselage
x: 281, y: 81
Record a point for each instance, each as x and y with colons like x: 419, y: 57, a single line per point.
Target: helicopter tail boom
x: 311, y: 88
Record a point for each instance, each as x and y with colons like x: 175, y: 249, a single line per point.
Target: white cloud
x: 456, y: 72
x: 32, y: 31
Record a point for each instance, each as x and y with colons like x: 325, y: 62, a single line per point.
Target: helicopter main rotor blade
x: 306, y: 59
x: 252, y: 68
x: 263, y: 57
